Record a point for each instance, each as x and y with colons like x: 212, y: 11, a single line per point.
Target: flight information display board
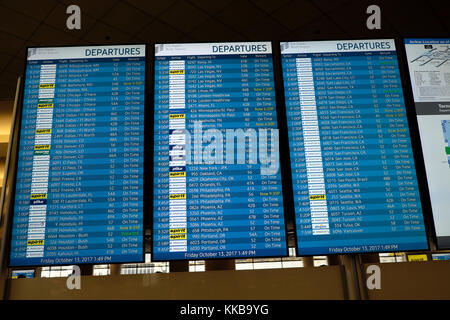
x: 354, y: 180
x: 217, y: 185
x: 79, y: 188
x: 429, y: 69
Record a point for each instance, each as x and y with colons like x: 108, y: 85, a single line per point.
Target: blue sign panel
x: 79, y: 188
x: 217, y: 184
x: 354, y: 179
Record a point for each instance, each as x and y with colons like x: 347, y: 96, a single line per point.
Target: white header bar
x: 219, y: 48
x: 86, y: 52
x: 337, y: 46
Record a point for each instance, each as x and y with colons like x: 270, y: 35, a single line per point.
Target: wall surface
x: 6, y: 111
x: 413, y: 280
x: 285, y: 284
x: 409, y: 280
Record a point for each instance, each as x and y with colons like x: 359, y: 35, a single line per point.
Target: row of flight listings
x: 217, y: 183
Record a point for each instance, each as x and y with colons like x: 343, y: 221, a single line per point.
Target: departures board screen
x: 353, y: 172
x: 217, y: 182
x: 79, y: 185
x: 429, y: 69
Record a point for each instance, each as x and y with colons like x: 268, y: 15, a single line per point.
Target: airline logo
x: 177, y: 116
x: 317, y: 197
x: 177, y: 174
x: 177, y: 230
x: 35, y: 242
x: 177, y: 196
x: 43, y: 131
x: 46, y: 86
x: 178, y: 237
x: 45, y: 105
x: 42, y: 147
x: 176, y: 72
x: 38, y: 196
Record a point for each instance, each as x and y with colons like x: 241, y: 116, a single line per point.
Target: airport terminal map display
x: 216, y: 197
x: 79, y: 188
x: 354, y: 180
x: 429, y: 70
x: 446, y: 132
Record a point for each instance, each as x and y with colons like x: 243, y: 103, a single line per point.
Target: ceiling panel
x: 46, y: 35
x: 94, y: 8
x: 213, y: 30
x: 126, y: 17
x: 241, y: 15
x: 184, y: 16
x: 267, y: 29
x: 441, y: 10
x: 159, y: 31
x: 322, y: 28
x: 17, y: 24
x: 13, y: 43
x: 151, y: 7
x: 211, y: 7
x: 186, y: 38
x: 270, y: 6
x: 296, y: 13
x: 16, y: 65
x: 36, y: 10
x: 329, y: 5
x: 102, y: 33
x: 419, y: 19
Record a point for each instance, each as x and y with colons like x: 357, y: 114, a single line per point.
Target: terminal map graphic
x: 446, y: 131
x: 435, y: 56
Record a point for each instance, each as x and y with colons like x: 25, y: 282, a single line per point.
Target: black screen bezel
x: 281, y: 175
x: 14, y: 176
x: 414, y: 147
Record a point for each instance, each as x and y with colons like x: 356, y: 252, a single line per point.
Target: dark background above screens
x: 44, y: 24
